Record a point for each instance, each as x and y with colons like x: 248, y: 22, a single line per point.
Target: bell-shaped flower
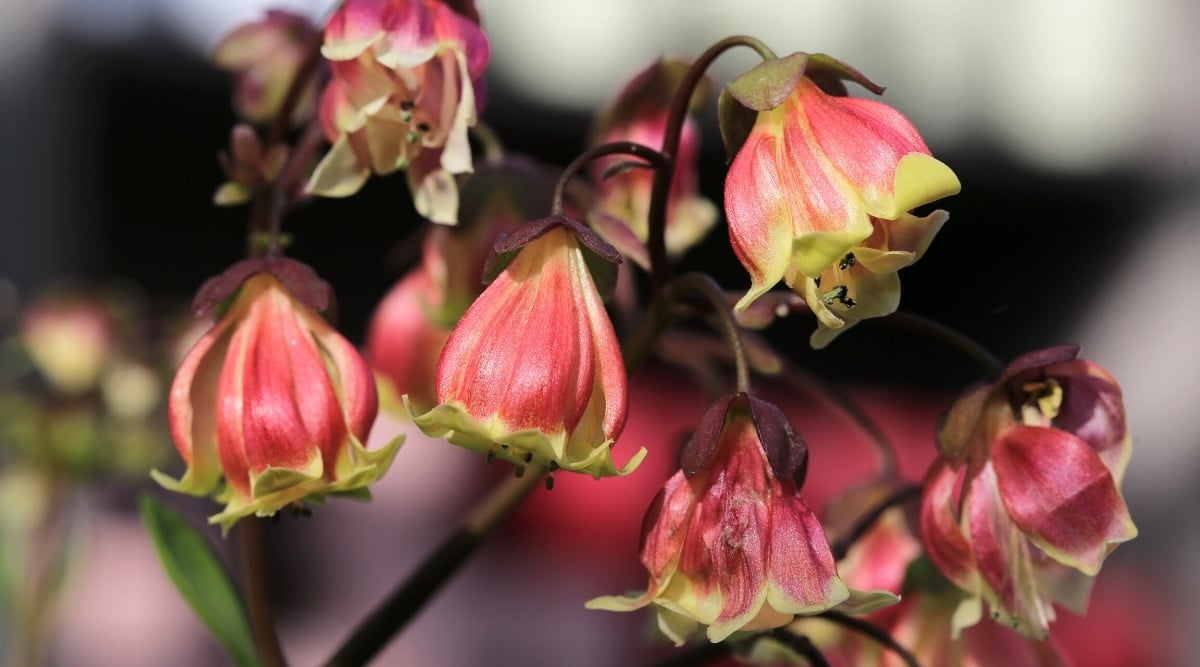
x: 533, y: 372
x: 816, y: 171
x: 729, y: 543
x: 1023, y: 504
x: 639, y: 114
x: 863, y: 283
x: 412, y: 322
x: 265, y: 56
x: 402, y: 96
x: 272, y: 398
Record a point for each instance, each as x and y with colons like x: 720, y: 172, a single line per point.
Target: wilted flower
x: 729, y: 542
x: 533, y: 372
x: 817, y: 176
x: 1023, y: 503
x: 402, y: 97
x: 272, y: 398
x: 639, y: 114
x: 265, y: 56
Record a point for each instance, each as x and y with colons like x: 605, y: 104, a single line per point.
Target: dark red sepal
x: 299, y: 279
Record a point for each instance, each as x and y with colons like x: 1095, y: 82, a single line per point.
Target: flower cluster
x: 402, y: 97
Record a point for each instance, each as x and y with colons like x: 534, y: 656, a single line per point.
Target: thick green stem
x: 258, y: 602
x: 660, y: 271
x: 402, y: 605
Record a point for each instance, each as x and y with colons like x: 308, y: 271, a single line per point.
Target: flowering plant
x: 538, y: 300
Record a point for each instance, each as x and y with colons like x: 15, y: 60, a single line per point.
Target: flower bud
x: 272, y: 399
x: 265, y: 56
x: 533, y: 372
x: 69, y: 340
x: 1024, y: 504
x: 729, y: 542
x: 639, y: 114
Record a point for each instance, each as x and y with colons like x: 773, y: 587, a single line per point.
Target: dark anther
x: 491, y: 454
x: 503, y: 446
x: 553, y: 466
x: 406, y: 105
x: 528, y: 457
x: 423, y: 126
x: 519, y: 471
x: 848, y: 261
x: 549, y: 483
x: 817, y: 281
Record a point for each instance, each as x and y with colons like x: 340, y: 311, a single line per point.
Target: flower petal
x: 1059, y: 492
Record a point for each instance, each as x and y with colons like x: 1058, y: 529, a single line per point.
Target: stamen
x: 848, y: 261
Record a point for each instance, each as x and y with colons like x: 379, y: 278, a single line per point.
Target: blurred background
x: 1073, y: 127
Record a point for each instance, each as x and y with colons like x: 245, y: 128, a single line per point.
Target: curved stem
x: 402, y: 605
x: 800, y: 645
x: 938, y: 331
x: 842, y: 546
x: 874, y: 632
x: 802, y: 380
x: 672, y: 132
x: 254, y: 580
x: 493, y: 148
x: 651, y: 156
x: 706, y: 286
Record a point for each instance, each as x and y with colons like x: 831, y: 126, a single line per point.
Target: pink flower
x: 639, y: 114
x: 264, y: 57
x: 817, y: 177
x: 402, y: 96
x: 533, y: 372
x: 1024, y: 502
x: 729, y: 542
x: 272, y: 398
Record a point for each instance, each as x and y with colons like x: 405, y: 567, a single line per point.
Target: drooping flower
x: 271, y: 398
x: 533, y: 372
x: 264, y: 57
x: 729, y: 543
x: 863, y: 283
x: 403, y: 93
x: 411, y: 324
x: 639, y: 114
x: 818, y: 173
x: 1023, y: 503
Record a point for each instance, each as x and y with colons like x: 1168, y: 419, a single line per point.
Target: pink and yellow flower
x: 272, y: 399
x: 1024, y: 504
x: 403, y: 93
x: 639, y: 114
x: 533, y: 372
x: 729, y: 543
x: 265, y: 56
x: 818, y: 174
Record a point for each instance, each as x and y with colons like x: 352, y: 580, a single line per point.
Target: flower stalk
x: 672, y: 133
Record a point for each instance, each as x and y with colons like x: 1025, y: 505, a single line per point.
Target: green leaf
x: 201, y: 578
